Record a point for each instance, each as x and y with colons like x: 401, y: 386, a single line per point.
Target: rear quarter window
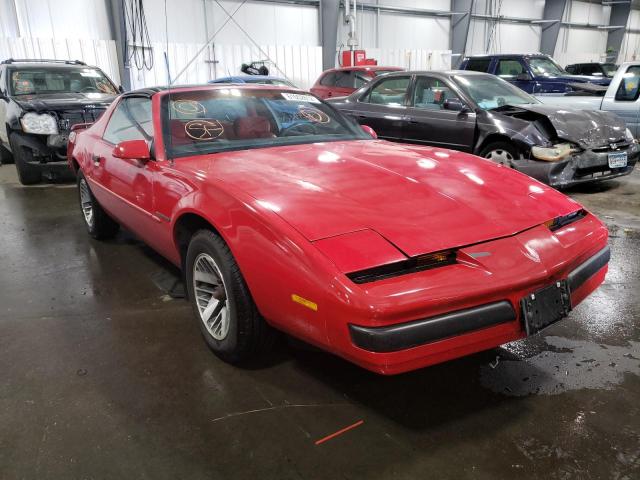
x: 478, y: 64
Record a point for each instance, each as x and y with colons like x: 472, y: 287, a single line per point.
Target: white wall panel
x: 630, y: 48
x: 86, y: 19
x: 506, y: 37
x: 583, y: 44
x: 266, y: 23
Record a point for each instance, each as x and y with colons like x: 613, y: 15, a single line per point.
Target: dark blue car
x: 535, y: 73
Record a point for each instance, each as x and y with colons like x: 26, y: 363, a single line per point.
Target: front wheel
x: 227, y: 315
x: 503, y: 153
x: 99, y: 224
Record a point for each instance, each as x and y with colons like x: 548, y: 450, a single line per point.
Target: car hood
x: 587, y: 128
x: 577, y: 79
x: 421, y: 199
x: 63, y: 101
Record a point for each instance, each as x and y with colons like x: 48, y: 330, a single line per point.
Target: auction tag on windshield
x: 300, y: 97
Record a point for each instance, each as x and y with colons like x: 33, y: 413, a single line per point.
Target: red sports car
x: 285, y: 215
x: 343, y: 81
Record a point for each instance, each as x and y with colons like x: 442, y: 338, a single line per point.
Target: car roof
x: 438, y: 73
x: 363, y: 68
x: 60, y: 66
x: 501, y: 55
x: 242, y: 78
x: 151, y: 91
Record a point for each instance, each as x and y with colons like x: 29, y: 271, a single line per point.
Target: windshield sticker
x: 203, y: 129
x: 300, y: 97
x: 188, y: 107
x: 313, y: 115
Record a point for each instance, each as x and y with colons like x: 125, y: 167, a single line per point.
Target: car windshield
x: 490, y: 92
x: 610, y: 69
x: 208, y: 121
x: 545, y: 67
x: 41, y: 80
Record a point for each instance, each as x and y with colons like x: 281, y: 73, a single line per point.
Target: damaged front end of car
x: 563, y: 147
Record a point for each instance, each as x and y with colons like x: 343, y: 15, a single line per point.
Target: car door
x: 438, y: 116
x: 383, y: 107
x: 125, y: 186
x: 625, y: 102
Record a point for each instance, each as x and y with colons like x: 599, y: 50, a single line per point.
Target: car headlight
x: 39, y: 123
x: 553, y: 154
x: 629, y: 136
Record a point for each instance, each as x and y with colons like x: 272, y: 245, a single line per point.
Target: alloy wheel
x: 86, y: 202
x: 211, y: 296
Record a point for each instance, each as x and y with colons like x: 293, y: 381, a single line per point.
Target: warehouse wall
x: 630, y: 49
x: 266, y: 23
x: 397, y: 30
x: 502, y: 37
x: 46, y: 18
x: 583, y: 44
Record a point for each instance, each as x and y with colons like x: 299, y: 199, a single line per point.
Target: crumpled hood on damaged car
x: 421, y: 199
x: 587, y: 128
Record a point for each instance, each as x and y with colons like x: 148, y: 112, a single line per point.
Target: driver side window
x: 431, y: 93
x: 509, y: 68
x: 131, y: 120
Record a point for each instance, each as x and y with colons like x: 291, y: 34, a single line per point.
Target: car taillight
x: 411, y: 265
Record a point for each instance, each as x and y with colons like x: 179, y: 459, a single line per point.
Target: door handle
x: 96, y: 160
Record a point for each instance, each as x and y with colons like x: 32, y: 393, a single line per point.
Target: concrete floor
x: 103, y: 375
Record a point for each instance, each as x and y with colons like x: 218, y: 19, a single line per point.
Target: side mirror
x: 454, y: 104
x: 369, y: 130
x: 3, y: 96
x: 133, y: 150
x: 523, y: 77
x: 120, y: 89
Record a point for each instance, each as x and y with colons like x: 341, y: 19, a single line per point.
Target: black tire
x: 248, y: 335
x: 28, y: 174
x: 100, y: 225
x: 5, y: 156
x: 505, y: 149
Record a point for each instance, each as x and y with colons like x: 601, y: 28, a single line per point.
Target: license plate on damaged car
x: 545, y: 307
x: 618, y: 160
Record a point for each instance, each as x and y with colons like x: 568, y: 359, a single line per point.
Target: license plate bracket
x: 617, y: 159
x: 545, y: 307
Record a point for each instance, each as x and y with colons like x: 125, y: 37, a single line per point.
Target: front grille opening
x: 405, y: 267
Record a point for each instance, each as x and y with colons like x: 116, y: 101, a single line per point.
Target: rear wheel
x: 503, y: 153
x: 99, y: 224
x: 28, y: 173
x: 227, y: 315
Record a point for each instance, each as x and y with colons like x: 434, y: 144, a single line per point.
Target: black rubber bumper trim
x: 589, y: 268
x: 412, y: 334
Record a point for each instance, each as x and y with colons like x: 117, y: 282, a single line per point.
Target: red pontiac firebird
x: 285, y: 215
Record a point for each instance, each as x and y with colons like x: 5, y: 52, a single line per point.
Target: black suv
x: 40, y: 100
x: 593, y: 69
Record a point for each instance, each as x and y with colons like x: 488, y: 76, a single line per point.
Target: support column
x: 115, y: 13
x: 460, y: 29
x: 553, y: 11
x: 619, y: 16
x: 329, y: 16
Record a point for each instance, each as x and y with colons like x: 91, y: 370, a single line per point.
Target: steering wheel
x: 302, y: 128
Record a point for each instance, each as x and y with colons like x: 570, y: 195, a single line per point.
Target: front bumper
x: 412, y: 334
x: 582, y: 167
x: 416, y: 320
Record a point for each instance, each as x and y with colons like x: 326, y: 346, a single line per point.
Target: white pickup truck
x: 620, y: 97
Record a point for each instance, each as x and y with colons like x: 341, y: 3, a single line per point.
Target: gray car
x: 485, y: 115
